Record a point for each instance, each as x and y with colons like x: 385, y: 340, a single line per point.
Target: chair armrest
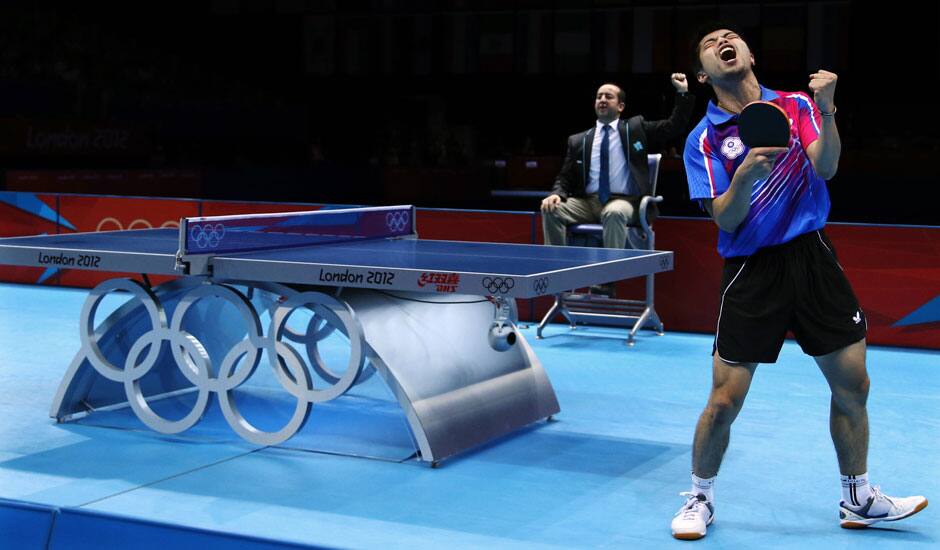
x: 644, y: 204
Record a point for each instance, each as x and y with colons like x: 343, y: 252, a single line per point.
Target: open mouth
x: 728, y: 54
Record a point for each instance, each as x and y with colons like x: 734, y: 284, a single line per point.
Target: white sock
x: 701, y: 486
x: 856, y: 490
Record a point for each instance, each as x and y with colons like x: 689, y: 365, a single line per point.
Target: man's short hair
x: 621, y: 95
x: 704, y: 30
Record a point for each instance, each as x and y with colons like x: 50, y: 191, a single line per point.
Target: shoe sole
x: 866, y: 523
x: 688, y: 536
x: 692, y: 536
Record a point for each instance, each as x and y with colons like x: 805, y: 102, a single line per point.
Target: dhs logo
x: 540, y: 285
x: 498, y: 285
x: 397, y: 222
x: 442, y: 282
x: 732, y: 147
x: 207, y: 235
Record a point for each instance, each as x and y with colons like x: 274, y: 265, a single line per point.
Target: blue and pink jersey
x: 793, y: 200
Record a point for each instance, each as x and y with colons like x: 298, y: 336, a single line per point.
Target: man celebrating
x: 605, y: 172
x: 780, y: 273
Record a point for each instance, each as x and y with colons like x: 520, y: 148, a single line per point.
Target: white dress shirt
x: 619, y: 170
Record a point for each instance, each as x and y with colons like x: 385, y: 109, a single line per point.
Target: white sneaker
x: 692, y: 519
x: 879, y: 507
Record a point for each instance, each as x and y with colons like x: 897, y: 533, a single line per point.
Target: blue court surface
x: 605, y: 473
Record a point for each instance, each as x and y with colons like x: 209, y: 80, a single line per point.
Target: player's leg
x: 847, y: 376
x: 573, y: 210
x: 755, y: 308
x: 730, y: 384
x: 830, y: 326
x: 862, y: 504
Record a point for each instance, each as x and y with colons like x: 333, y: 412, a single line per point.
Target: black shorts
x: 797, y: 286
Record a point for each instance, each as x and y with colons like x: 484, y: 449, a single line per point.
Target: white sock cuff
x: 855, y: 481
x: 855, y: 489
x: 703, y: 483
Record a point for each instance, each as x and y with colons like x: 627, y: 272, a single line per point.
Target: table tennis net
x: 245, y: 233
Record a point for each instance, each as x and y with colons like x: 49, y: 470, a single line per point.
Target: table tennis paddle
x: 764, y: 124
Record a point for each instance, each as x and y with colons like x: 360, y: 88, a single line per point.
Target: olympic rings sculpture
x: 105, y: 223
x: 193, y: 361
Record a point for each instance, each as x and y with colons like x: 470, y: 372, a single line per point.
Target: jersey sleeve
x: 810, y: 121
x: 704, y: 170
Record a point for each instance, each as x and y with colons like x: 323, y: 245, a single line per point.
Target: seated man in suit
x: 605, y: 172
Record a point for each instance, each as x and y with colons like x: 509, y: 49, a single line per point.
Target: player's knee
x: 852, y: 397
x: 863, y: 386
x: 723, y: 408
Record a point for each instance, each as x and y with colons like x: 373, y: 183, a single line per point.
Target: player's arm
x: 728, y: 201
x: 824, y: 152
x: 730, y: 208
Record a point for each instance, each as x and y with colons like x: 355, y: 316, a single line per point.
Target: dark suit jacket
x: 637, y: 136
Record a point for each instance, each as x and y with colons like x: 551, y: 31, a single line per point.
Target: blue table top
x: 146, y: 241
x: 514, y: 259
x: 519, y: 270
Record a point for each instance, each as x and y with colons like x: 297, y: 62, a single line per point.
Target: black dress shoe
x: 606, y: 289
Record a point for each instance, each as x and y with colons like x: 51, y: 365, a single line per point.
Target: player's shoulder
x: 798, y: 98
x: 701, y: 129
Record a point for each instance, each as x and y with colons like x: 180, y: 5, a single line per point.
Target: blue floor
x: 605, y: 473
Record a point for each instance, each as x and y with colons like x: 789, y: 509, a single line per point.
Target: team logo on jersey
x: 732, y: 147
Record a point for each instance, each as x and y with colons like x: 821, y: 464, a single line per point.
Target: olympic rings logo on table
x: 397, y: 221
x: 193, y: 361
x: 498, y: 285
x: 540, y: 285
x: 206, y: 235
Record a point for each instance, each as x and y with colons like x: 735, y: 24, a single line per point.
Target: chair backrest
x: 653, y: 161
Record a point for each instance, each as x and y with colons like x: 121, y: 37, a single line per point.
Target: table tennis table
x: 435, y: 319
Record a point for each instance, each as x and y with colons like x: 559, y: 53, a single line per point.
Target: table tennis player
x: 780, y: 273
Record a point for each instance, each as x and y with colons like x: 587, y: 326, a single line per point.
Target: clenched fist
x: 679, y: 82
x: 823, y: 85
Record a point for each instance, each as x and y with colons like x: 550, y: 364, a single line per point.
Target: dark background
x: 437, y: 103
